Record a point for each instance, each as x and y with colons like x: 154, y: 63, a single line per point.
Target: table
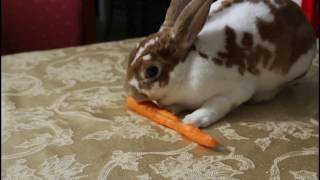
x: 64, y: 117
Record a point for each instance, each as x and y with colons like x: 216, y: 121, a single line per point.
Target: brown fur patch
x: 247, y: 40
x: 165, y: 50
x: 130, y: 71
x: 245, y: 56
x: 217, y: 61
x: 203, y: 55
x: 224, y: 4
x: 227, y: 3
x: 290, y: 32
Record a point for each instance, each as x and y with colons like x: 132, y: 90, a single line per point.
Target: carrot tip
x: 221, y: 148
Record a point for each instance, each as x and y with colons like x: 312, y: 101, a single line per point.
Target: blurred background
x: 30, y: 25
x: 45, y: 24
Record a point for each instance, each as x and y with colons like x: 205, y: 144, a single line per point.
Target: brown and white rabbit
x: 210, y: 57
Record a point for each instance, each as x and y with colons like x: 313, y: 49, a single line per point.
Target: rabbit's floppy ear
x: 190, y: 22
x: 175, y: 8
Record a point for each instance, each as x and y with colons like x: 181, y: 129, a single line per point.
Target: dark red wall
x: 45, y: 24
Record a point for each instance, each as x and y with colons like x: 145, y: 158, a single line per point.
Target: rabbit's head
x: 152, y: 61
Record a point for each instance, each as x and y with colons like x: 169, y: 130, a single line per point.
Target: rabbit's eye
x: 151, y: 72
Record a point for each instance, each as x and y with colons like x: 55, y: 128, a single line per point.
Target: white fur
x: 213, y: 90
x: 204, y: 71
x: 275, y: 3
x: 140, y: 51
x: 299, y: 2
x: 302, y: 63
x: 210, y: 41
x: 212, y: 37
x: 134, y: 83
x: 147, y: 57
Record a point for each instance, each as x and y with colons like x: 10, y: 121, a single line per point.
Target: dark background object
x: 39, y: 25
x: 31, y: 25
x: 121, y: 19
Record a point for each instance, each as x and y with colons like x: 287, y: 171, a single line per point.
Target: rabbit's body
x: 247, y: 49
x: 210, y: 79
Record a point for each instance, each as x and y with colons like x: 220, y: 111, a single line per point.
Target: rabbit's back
x: 269, y: 40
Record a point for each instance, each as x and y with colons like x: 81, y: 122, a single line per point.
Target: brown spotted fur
x: 290, y: 29
x: 289, y: 32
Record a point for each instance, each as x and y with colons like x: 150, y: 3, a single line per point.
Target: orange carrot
x: 169, y: 120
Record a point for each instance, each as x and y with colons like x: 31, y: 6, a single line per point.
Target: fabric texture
x: 64, y: 117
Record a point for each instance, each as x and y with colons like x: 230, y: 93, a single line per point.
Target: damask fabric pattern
x: 64, y: 117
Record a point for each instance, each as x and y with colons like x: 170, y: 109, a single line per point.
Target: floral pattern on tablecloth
x: 64, y: 117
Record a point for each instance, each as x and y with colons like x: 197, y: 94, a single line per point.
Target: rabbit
x: 209, y: 58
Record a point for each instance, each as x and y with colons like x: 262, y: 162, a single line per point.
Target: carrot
x: 169, y: 120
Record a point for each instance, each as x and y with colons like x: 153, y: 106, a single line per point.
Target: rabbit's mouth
x: 140, y: 97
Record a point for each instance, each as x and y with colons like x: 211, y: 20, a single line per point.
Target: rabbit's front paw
x: 201, y: 118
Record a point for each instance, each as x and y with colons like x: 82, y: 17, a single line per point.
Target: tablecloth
x: 64, y: 116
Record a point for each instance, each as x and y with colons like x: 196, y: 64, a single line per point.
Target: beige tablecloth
x: 64, y: 117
